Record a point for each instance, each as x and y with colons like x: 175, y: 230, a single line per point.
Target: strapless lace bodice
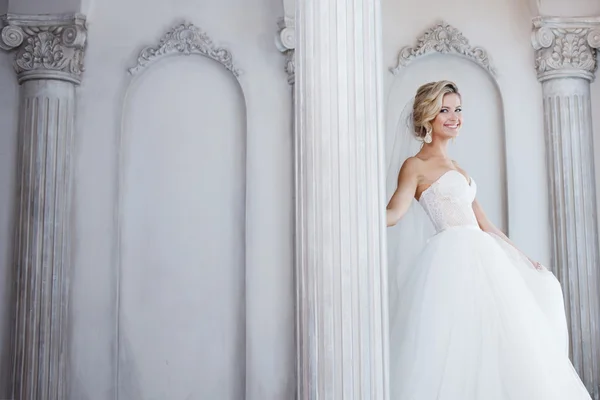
x: 449, y: 201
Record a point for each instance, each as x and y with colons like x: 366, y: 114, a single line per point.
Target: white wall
x: 8, y: 156
x: 181, y: 229
x: 43, y: 7
x: 116, y: 36
x: 503, y: 28
x: 571, y: 8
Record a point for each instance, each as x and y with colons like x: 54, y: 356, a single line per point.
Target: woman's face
x: 449, y: 120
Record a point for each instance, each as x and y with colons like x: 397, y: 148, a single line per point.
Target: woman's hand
x: 536, y: 264
x: 405, y: 191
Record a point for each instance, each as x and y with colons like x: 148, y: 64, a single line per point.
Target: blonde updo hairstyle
x: 428, y: 103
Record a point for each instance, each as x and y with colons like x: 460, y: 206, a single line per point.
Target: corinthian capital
x: 46, y: 46
x: 566, y: 47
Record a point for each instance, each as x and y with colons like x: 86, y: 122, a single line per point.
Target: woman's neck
x: 437, y: 148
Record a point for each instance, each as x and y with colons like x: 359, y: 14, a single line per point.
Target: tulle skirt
x: 475, y: 321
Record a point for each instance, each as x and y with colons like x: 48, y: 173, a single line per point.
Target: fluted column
x: 48, y: 62
x: 341, y: 263
x: 566, y: 61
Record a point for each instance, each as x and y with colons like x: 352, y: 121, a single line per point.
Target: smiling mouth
x: 455, y: 126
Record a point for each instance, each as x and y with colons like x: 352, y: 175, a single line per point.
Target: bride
x: 473, y: 319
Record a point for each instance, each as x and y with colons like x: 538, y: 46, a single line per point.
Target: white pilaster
x: 48, y: 63
x: 341, y: 271
x: 566, y: 63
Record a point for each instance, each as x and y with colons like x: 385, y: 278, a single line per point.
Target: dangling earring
x: 427, y: 139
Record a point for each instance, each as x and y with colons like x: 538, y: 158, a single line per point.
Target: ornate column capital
x: 46, y: 46
x: 566, y: 47
x: 286, y: 43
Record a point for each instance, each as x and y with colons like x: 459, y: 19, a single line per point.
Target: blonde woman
x: 474, y: 319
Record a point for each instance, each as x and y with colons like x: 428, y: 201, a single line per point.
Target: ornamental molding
x: 566, y: 47
x: 185, y: 39
x: 46, y: 46
x: 446, y: 39
x: 286, y: 44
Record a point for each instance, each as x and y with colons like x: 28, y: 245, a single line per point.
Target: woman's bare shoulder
x: 410, y: 170
x: 413, y: 164
x: 457, y: 166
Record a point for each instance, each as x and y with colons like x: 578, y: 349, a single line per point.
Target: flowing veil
x: 406, y: 239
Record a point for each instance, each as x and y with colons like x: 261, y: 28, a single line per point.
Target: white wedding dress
x: 474, y: 320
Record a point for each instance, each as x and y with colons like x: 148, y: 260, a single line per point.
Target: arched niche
x: 444, y: 53
x: 181, y: 240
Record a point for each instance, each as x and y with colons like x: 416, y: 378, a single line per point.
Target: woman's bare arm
x: 487, y: 226
x: 408, y: 178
